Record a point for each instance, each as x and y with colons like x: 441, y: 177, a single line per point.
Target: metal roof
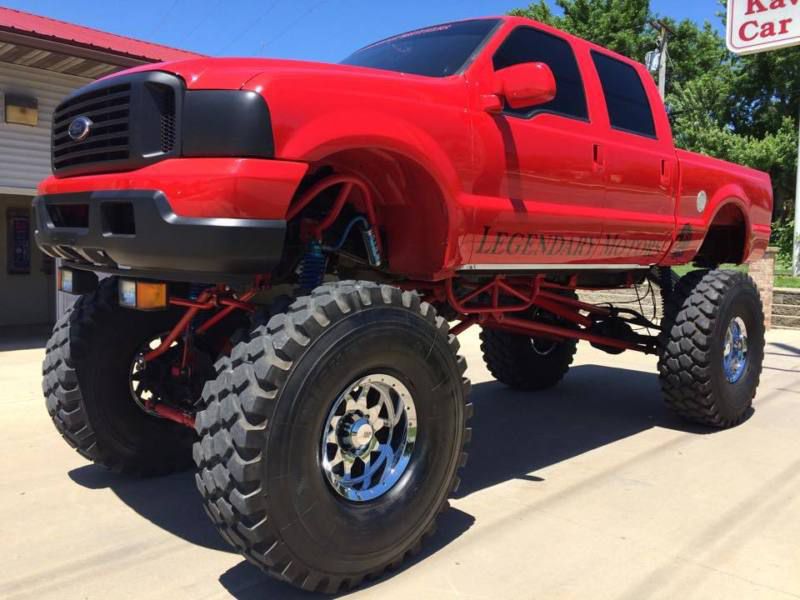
x: 40, y: 42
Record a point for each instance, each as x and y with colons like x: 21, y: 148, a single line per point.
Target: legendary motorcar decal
x: 496, y: 242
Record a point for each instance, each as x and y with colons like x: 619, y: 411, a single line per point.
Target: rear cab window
x: 527, y: 44
x: 629, y: 109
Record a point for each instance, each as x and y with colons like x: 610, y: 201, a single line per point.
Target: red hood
x: 234, y: 73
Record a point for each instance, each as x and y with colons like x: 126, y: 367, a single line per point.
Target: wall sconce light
x: 22, y: 110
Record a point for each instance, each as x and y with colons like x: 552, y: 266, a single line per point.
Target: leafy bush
x: 783, y: 238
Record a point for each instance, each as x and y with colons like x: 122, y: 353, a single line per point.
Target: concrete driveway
x: 593, y: 490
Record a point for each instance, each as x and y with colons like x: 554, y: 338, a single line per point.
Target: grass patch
x: 786, y: 281
x: 783, y: 276
x: 684, y: 269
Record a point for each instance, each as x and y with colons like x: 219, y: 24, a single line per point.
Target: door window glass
x: 628, y: 107
x: 526, y: 44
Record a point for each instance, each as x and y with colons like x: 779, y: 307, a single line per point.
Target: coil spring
x: 667, y: 285
x: 312, y: 267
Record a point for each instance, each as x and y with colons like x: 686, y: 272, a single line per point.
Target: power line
x: 203, y: 20
x: 250, y: 26
x: 291, y: 25
x: 162, y: 19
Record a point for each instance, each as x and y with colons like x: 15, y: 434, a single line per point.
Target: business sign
x: 762, y: 25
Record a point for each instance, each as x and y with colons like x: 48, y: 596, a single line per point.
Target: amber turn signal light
x: 142, y: 295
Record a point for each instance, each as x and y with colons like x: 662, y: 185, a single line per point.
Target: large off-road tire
x: 525, y: 363
x: 87, y: 388
x: 271, y: 423
x: 705, y: 376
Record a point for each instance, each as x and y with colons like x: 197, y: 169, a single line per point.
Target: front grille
x: 109, y: 111
x: 134, y: 122
x: 166, y: 102
x: 167, y: 132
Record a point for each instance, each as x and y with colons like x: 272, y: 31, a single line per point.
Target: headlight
x: 226, y: 123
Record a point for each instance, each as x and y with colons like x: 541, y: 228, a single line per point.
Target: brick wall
x: 763, y: 273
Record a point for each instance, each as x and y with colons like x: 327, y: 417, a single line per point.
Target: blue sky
x: 325, y: 30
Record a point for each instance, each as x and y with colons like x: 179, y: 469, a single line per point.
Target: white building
x: 41, y: 61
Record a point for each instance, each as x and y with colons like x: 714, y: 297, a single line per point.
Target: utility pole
x: 796, y: 240
x: 663, y: 43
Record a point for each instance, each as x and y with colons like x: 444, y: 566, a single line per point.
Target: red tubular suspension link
x: 230, y: 305
x: 463, y: 326
x: 338, y: 205
x: 348, y: 182
x: 194, y: 308
x: 532, y: 328
x: 207, y: 300
x: 525, y: 293
x: 172, y: 414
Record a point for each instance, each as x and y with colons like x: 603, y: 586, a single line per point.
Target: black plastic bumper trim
x: 164, y: 245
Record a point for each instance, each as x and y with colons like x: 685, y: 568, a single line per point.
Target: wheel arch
x: 414, y: 197
x: 728, y: 236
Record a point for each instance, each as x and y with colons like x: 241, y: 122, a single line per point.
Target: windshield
x: 436, y: 51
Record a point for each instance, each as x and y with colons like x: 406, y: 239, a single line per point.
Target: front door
x: 546, y: 210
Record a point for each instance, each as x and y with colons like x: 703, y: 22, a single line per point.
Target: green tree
x: 621, y: 25
x: 625, y: 26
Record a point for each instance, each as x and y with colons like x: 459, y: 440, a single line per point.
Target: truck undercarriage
x: 543, y: 306
x: 502, y: 303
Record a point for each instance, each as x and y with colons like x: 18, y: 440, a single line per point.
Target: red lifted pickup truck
x: 293, y: 248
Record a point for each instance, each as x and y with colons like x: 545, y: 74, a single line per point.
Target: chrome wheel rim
x: 734, y: 354
x: 368, y: 437
x: 543, y: 347
x: 139, y: 392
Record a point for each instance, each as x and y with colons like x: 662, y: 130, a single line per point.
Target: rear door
x: 640, y: 166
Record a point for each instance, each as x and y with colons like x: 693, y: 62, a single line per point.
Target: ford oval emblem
x: 79, y: 128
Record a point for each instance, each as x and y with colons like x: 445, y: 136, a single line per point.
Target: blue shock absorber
x: 312, y: 267
x: 367, y: 235
x: 371, y: 244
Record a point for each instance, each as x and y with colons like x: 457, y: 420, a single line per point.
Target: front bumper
x: 135, y: 232
x: 209, y: 220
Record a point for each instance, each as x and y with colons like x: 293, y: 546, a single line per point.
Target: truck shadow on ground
x: 515, y: 435
x: 787, y: 350
x: 25, y: 337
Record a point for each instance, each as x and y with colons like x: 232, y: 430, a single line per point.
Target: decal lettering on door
x: 494, y: 242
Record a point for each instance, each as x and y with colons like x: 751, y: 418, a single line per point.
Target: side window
x: 525, y: 44
x: 628, y: 107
